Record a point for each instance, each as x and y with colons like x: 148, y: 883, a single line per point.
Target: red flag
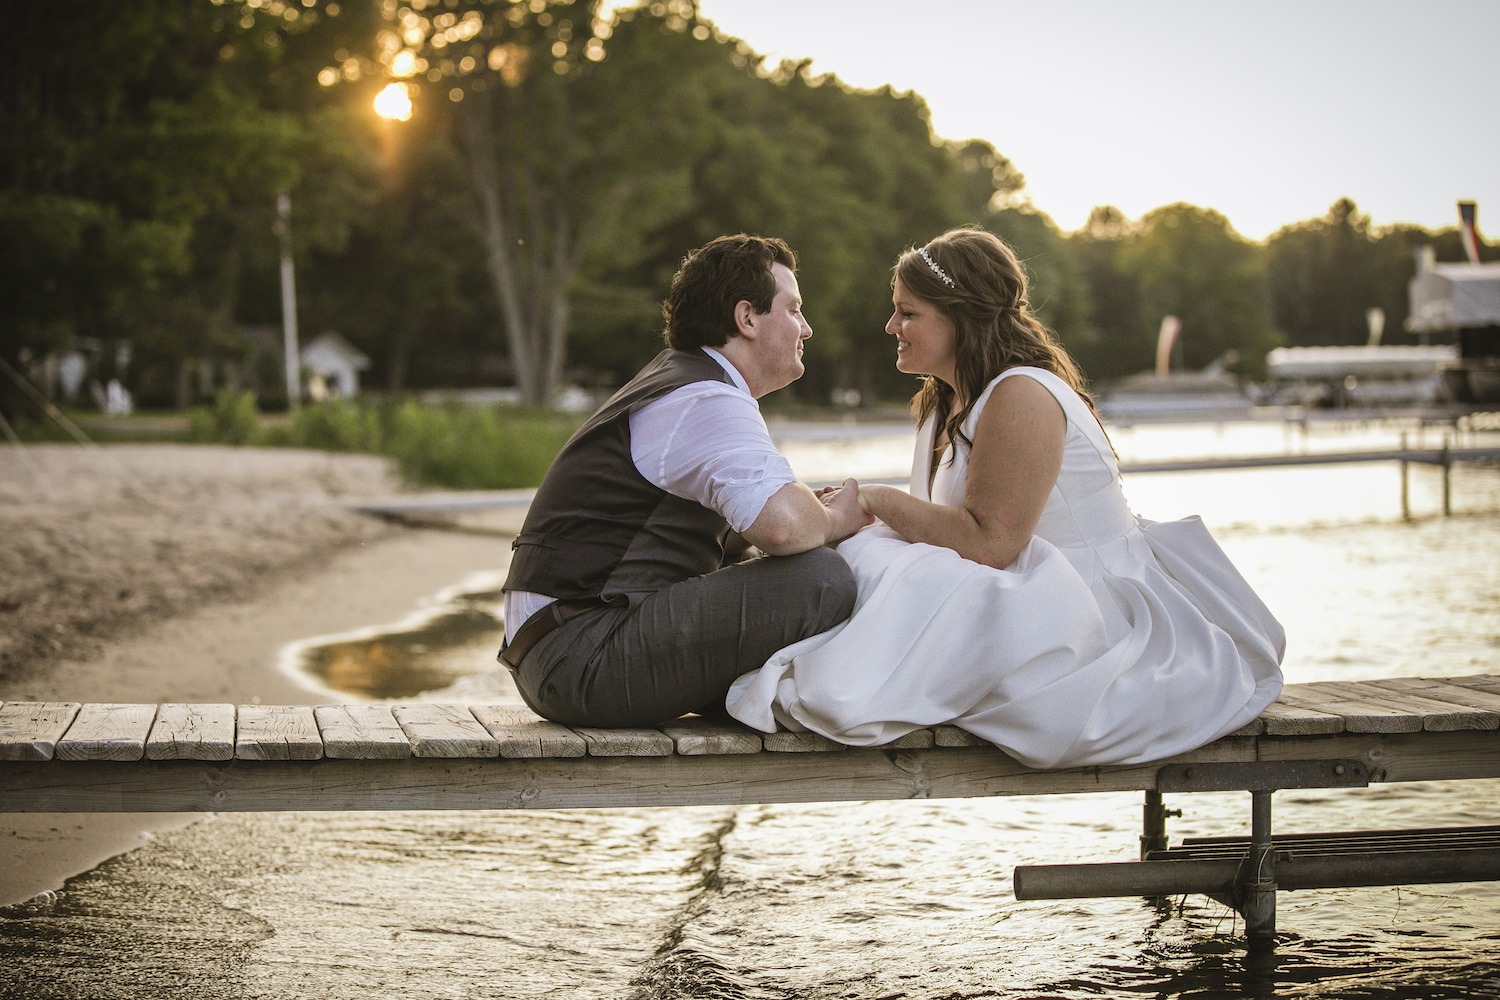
x: 1468, y: 229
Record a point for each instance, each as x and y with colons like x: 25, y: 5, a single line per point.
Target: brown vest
x: 596, y: 526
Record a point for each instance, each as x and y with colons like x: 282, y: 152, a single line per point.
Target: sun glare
x: 393, y: 102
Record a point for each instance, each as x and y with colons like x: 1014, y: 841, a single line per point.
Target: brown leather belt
x: 540, y: 624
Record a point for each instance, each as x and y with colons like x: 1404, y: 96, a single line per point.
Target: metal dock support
x: 1245, y: 873
x: 1257, y: 883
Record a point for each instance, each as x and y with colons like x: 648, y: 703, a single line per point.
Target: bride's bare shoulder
x: 1021, y: 391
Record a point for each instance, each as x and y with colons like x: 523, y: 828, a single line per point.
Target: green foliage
x: 1178, y: 260
x: 1190, y: 263
x: 849, y: 178
x: 1058, y: 294
x: 474, y: 448
x: 233, y: 419
x: 141, y: 145
x: 1325, y: 273
x: 336, y: 426
x: 454, y: 447
x: 1323, y: 277
x: 538, y: 203
x: 409, y: 272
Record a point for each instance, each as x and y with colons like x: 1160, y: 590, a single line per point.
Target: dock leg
x: 1154, y: 824
x: 1154, y: 838
x: 1447, y: 480
x: 1258, y: 879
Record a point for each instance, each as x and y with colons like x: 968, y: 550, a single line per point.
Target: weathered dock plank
x: 1361, y: 710
x: 695, y: 736
x: 1414, y: 756
x: 789, y: 742
x: 1282, y: 719
x: 444, y: 731
x: 192, y: 732
x: 626, y: 742
x: 108, y: 732
x: 361, y: 732
x: 522, y: 733
x: 277, y: 732
x: 1488, y: 683
x: 30, y: 730
x: 1446, y: 689
x: 1252, y: 728
x: 1448, y: 706
x: 1436, y: 716
x: 450, y: 756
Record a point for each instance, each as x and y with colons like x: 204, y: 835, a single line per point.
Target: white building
x: 1463, y: 299
x: 1448, y: 297
x: 334, y: 364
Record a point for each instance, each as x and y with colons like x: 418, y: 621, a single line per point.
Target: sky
x: 1267, y: 111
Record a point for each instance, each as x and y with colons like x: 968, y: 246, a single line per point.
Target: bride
x: 1011, y: 591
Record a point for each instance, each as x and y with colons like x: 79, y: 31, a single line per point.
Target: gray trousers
x: 678, y: 650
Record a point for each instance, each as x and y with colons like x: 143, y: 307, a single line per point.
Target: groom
x: 625, y: 605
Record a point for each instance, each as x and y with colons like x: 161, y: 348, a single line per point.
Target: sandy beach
x: 151, y: 573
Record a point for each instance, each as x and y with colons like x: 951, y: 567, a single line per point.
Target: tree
x: 1116, y: 339
x: 114, y: 140
x: 1323, y: 277
x: 409, y: 274
x: 1059, y: 294
x: 1190, y: 263
x: 599, y: 149
x: 551, y: 161
x: 140, y: 147
x: 1326, y: 273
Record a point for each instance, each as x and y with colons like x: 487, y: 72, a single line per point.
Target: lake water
x: 880, y: 900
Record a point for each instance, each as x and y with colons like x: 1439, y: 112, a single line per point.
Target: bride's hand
x: 843, y: 502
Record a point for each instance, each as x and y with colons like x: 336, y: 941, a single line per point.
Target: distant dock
x: 467, y: 502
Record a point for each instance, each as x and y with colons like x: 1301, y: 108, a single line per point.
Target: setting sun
x: 393, y: 102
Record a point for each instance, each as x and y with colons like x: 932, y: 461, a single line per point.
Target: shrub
x: 474, y: 449
x: 335, y: 426
x: 455, y: 447
x: 233, y: 419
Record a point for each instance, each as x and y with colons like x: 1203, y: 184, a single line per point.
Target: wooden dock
x: 60, y: 757
x: 67, y: 757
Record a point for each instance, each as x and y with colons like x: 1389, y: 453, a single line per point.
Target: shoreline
x: 227, y: 555
x: 226, y: 652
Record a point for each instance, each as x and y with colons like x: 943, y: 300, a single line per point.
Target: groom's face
x: 780, y: 332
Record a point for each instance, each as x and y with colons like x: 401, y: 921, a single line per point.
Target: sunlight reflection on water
x: 453, y: 638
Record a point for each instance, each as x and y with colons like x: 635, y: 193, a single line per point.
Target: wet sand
x: 227, y: 555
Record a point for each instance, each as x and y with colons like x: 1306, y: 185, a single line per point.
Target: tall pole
x: 288, y: 302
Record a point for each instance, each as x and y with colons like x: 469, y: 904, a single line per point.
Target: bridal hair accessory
x: 935, y: 269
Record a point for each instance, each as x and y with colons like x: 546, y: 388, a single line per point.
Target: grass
x: 455, y: 447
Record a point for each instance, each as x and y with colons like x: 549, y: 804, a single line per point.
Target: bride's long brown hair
x: 994, y: 328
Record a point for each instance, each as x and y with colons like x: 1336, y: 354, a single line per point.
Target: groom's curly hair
x: 713, y: 279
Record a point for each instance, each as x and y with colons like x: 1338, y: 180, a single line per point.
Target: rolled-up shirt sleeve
x: 707, y: 442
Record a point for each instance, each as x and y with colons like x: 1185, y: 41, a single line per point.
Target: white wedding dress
x: 1111, y: 639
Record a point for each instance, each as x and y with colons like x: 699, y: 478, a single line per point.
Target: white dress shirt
x: 704, y: 441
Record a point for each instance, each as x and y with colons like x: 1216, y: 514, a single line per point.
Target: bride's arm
x: 1017, y: 453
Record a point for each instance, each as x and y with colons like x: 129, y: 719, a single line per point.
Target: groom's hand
x: 843, y: 504
x: 794, y: 519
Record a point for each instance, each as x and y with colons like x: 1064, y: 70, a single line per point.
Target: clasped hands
x: 847, y: 507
